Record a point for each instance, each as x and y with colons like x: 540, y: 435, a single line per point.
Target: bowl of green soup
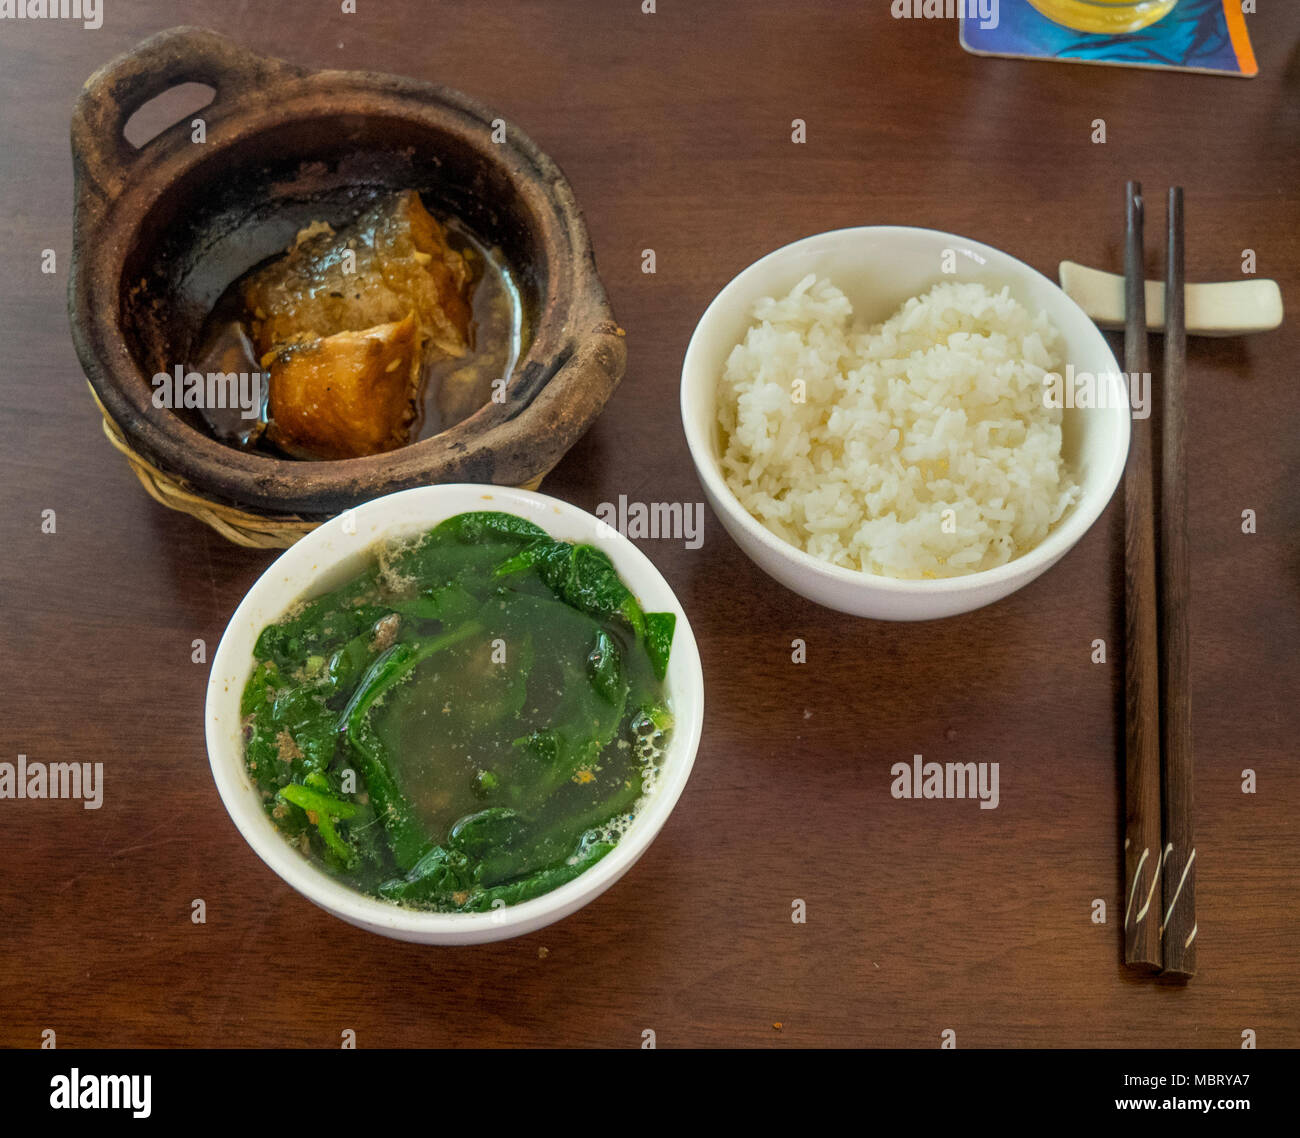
x: 455, y: 714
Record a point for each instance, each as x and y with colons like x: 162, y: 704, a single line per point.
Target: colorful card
x: 1198, y: 35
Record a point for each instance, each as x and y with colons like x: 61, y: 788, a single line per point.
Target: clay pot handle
x: 101, y: 155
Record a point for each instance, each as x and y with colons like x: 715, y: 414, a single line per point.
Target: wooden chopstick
x: 1143, y: 854
x: 1178, y: 923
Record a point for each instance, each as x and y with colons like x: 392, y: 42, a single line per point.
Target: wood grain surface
x: 674, y: 129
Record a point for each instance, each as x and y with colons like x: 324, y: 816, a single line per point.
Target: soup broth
x: 472, y: 720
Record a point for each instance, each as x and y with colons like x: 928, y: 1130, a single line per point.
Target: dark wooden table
x: 921, y: 916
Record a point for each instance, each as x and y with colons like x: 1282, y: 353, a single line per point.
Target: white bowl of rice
x: 901, y: 423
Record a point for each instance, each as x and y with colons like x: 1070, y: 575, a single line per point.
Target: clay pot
x: 161, y: 231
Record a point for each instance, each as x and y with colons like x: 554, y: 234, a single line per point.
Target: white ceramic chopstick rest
x: 1228, y: 308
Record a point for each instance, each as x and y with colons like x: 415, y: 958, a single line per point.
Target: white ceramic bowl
x: 879, y: 267
x: 336, y: 551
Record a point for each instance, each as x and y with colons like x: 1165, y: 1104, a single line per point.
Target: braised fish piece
x: 346, y: 323
x: 346, y: 395
x: 394, y: 259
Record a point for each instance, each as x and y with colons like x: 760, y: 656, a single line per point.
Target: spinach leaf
x: 462, y: 551
x: 481, y: 899
x: 475, y: 834
x: 290, y: 729
x: 553, y: 845
x: 436, y: 877
x: 581, y: 576
x: 260, y: 689
x: 317, y: 801
x: 323, y: 624
x: 322, y: 810
x: 306, y: 727
x: 347, y: 663
x: 605, y: 668
x: 449, y: 604
x: 659, y: 628
x: 473, y: 528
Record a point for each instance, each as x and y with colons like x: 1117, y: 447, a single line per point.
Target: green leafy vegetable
x: 466, y: 723
x: 438, y: 876
x: 543, y: 881
x: 605, y: 667
x: 581, y: 576
x: 659, y: 628
x: 322, y: 811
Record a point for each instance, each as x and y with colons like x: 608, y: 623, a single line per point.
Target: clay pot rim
x: 110, y: 219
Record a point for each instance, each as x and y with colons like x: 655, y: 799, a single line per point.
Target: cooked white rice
x: 921, y: 447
